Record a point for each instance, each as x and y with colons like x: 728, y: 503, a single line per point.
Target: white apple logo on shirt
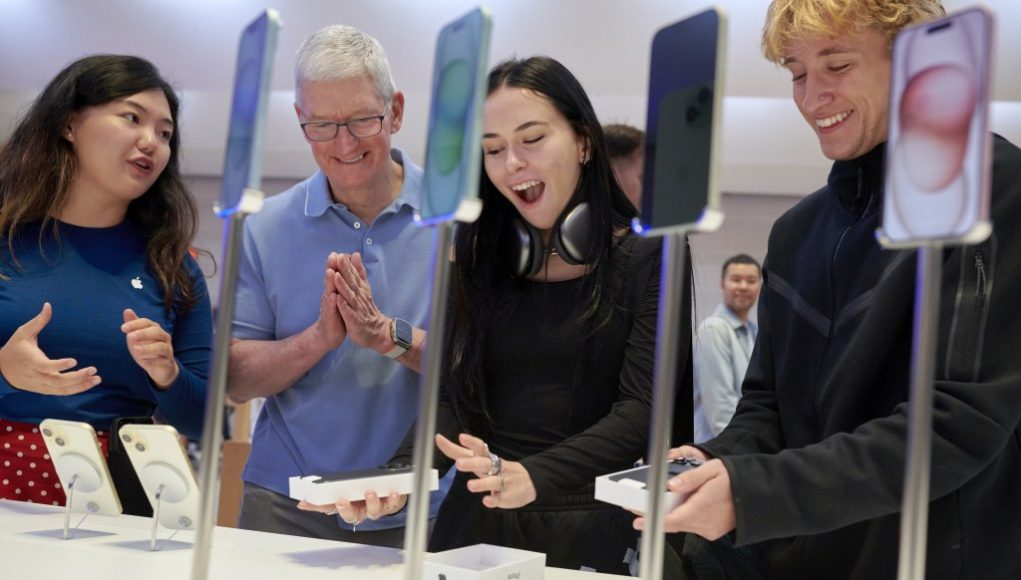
x: 136, y: 283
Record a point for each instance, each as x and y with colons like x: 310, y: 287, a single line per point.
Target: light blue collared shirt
x: 353, y: 408
x: 723, y: 347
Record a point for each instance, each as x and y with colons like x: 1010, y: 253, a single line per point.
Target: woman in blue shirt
x: 103, y: 312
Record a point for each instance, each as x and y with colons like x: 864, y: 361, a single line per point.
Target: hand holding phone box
x: 166, y: 474
x: 81, y: 467
x: 353, y: 485
x: 628, y: 488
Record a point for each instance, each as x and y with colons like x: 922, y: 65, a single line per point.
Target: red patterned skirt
x: 26, y: 471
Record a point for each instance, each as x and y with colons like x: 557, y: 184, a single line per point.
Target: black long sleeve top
x: 816, y: 450
x: 568, y: 406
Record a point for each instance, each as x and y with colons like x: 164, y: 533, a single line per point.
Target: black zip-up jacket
x: 816, y: 450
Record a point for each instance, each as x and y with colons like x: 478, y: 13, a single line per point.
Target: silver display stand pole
x: 668, y: 328
x: 212, y: 428
x: 914, y: 519
x: 67, y: 506
x: 417, y: 530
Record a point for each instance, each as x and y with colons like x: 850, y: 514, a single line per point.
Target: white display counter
x: 105, y: 547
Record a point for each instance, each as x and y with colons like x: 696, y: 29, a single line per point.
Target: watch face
x: 402, y: 332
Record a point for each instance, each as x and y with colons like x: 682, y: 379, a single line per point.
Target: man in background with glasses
x: 336, y: 358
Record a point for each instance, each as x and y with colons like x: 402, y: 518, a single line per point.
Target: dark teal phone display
x: 242, y: 163
x: 678, y: 184
x: 453, y: 143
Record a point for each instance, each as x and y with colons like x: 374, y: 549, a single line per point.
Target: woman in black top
x: 551, y: 367
x: 552, y: 326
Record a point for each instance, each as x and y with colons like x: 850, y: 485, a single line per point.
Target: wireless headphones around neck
x: 524, y: 251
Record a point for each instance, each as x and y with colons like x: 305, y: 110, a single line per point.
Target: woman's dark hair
x: 476, y: 271
x: 38, y: 165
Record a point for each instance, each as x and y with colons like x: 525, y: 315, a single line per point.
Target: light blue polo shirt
x: 353, y: 408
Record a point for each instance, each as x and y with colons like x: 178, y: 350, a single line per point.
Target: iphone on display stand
x: 166, y: 474
x: 450, y: 194
x: 452, y: 150
x: 680, y: 187
x: 938, y: 153
x: 680, y: 195
x: 81, y: 468
x: 936, y: 193
x: 242, y: 166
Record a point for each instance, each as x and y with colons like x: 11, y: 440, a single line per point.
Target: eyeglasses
x: 361, y: 128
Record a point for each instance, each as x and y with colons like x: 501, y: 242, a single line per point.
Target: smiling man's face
x: 351, y: 164
x: 842, y: 89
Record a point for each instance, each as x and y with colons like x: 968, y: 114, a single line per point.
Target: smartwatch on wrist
x: 400, y: 333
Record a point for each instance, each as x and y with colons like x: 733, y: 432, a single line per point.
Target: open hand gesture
x: 507, y: 483
x: 26, y: 367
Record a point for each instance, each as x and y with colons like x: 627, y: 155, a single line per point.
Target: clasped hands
x: 347, y: 308
x: 25, y: 366
x: 708, y: 509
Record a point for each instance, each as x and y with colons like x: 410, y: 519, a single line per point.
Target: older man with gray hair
x: 340, y: 377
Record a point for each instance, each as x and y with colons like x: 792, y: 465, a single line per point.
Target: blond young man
x: 811, y: 467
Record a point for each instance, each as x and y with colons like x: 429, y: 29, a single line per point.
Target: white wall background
x: 770, y: 156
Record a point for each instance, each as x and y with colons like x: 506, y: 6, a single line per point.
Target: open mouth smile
x: 529, y: 191
x: 832, y: 121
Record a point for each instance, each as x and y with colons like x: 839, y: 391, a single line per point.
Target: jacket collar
x: 855, y: 181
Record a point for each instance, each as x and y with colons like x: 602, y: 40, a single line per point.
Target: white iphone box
x: 484, y: 562
x: 628, y: 488
x: 353, y: 485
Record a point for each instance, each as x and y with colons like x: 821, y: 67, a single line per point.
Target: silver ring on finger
x: 497, y: 467
x: 503, y: 484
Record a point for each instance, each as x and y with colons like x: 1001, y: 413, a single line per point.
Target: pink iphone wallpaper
x: 937, y: 171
